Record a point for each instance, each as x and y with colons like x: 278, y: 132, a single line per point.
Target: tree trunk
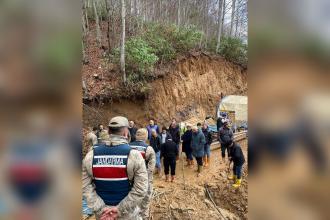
x: 107, y: 5
x: 179, y: 12
x: 232, y: 17
x: 98, y: 30
x: 219, y: 24
x: 223, y: 17
x: 122, y: 49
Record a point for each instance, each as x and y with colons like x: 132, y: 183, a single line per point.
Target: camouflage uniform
x: 92, y: 140
x: 151, y: 158
x: 136, y: 170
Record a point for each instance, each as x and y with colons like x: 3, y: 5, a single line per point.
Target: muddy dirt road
x: 186, y: 198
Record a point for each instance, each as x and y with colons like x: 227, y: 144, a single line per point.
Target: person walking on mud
x: 207, y: 146
x: 155, y: 143
x: 148, y: 154
x: 186, y: 145
x: 197, y: 146
x: 237, y: 157
x: 226, y: 137
x: 108, y: 172
x: 170, y: 153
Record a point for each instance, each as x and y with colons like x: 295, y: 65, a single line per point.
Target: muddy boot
x: 167, y: 178
x: 191, y: 164
x: 172, y: 178
x: 199, y: 170
x: 206, y: 161
x: 232, y: 177
x: 237, y: 183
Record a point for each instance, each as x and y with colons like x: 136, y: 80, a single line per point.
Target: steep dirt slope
x: 190, y: 87
x: 193, y: 87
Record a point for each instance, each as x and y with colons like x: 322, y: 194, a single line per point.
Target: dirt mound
x: 189, y: 88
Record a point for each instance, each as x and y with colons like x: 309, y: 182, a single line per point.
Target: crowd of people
x: 118, y: 170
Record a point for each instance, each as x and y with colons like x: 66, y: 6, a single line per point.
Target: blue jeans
x: 207, y: 150
x: 158, y: 164
x: 237, y: 170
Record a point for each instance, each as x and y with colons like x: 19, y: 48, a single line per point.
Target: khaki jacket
x: 136, y: 170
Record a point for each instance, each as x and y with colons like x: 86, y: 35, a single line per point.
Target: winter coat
x: 132, y: 132
x: 208, y: 136
x: 155, y: 143
x: 186, y: 141
x: 169, y: 150
x: 175, y: 133
x: 197, y: 144
x: 149, y: 128
x: 219, y: 123
x: 167, y: 136
x: 237, y: 155
x: 225, y: 135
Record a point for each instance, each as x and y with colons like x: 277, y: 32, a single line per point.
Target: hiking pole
x: 184, y: 181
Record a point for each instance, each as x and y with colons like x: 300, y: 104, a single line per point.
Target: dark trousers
x: 237, y: 170
x: 188, y: 152
x: 199, y: 161
x: 224, y: 147
x: 169, y: 162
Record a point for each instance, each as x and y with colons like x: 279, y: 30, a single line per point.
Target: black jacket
x: 155, y: 143
x: 132, y: 132
x: 237, y: 155
x: 226, y: 135
x: 219, y: 123
x: 169, y: 150
x: 208, y: 136
x: 175, y: 133
x: 186, y: 141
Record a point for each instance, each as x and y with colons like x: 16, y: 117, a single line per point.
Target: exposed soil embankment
x: 191, y: 87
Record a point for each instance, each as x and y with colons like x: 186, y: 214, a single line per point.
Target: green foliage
x: 139, y: 56
x: 185, y: 38
x: 155, y: 35
x: 234, y: 50
x: 169, y: 40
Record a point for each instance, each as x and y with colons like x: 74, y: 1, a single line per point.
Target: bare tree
x: 232, y: 17
x: 221, y: 2
x: 97, y: 21
x: 122, y: 49
x: 179, y: 12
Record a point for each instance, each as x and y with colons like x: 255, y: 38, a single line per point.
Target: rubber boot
x: 191, y: 164
x: 232, y: 177
x: 206, y: 161
x: 159, y: 172
x: 237, y: 183
x: 199, y: 170
x: 172, y: 178
x: 166, y: 178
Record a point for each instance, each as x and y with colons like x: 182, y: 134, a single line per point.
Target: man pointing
x: 108, y: 173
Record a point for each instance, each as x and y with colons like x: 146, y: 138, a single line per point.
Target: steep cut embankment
x: 194, y: 87
x: 191, y: 87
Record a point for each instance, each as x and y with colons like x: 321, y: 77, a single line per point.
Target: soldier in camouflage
x: 149, y: 155
x: 108, y: 172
